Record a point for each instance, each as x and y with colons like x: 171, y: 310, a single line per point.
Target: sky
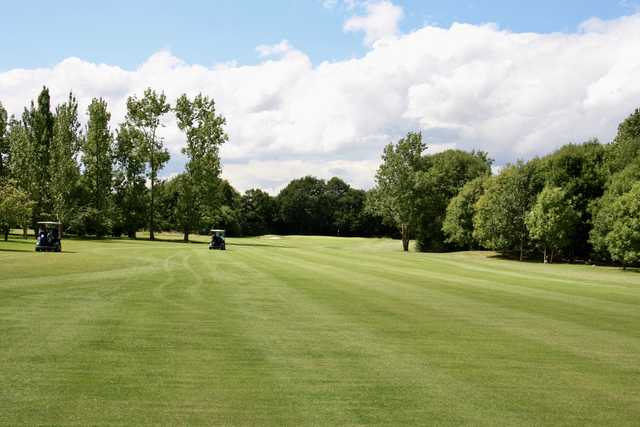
x: 320, y: 86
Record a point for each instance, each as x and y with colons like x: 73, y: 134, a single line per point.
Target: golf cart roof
x: 216, y: 230
x: 49, y: 222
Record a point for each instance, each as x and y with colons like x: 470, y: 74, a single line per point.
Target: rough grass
x: 304, y: 330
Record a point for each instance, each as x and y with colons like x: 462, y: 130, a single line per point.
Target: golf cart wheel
x: 223, y: 247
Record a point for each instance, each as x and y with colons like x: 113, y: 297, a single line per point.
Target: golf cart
x: 217, y: 240
x: 48, y: 237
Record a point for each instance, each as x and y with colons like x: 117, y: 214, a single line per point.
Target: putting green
x: 311, y: 330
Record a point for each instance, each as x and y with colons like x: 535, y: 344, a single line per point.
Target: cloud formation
x: 380, y: 21
x: 514, y: 95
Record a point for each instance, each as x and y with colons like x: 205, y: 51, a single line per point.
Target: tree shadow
x: 258, y: 245
x: 16, y: 250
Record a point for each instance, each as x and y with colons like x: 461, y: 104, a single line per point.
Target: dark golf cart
x: 48, y: 237
x: 217, y: 240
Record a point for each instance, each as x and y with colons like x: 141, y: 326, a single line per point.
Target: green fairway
x: 311, y: 330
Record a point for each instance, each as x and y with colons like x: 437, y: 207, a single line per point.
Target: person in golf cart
x: 48, y: 237
x: 217, y: 240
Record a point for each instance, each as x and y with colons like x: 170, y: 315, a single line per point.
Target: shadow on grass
x: 16, y: 250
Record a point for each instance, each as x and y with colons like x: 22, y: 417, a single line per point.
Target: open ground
x: 311, y: 330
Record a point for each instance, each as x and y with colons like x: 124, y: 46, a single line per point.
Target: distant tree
x: 258, y: 211
x: 304, y: 207
x: 579, y: 169
x: 21, y: 159
x: 205, y: 134
x: 38, y: 122
x: 626, y: 145
x: 145, y: 115
x: 65, y: 172
x: 130, y: 195
x: 97, y: 158
x: 443, y: 176
x: 551, y: 221
x: 458, y: 222
x: 602, y: 209
x: 4, y: 143
x: 499, y: 221
x: 394, y: 196
x: 15, y: 207
x: 623, y: 240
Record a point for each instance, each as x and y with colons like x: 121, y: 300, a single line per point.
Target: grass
x: 310, y: 330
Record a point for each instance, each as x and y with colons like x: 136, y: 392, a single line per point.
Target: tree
x: 38, y: 122
x: 579, y: 169
x: 623, y: 240
x: 443, y: 176
x: 145, y: 115
x: 15, y: 207
x: 602, y: 210
x: 258, y: 211
x: 130, y: 191
x: 205, y: 134
x: 97, y: 160
x: 499, y: 221
x: 458, y: 221
x: 65, y: 171
x: 4, y: 143
x: 626, y: 145
x: 304, y: 207
x: 394, y: 195
x: 551, y: 221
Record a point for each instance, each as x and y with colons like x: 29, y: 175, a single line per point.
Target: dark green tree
x: 38, y: 122
x: 499, y: 221
x: 65, y: 171
x: 626, y: 145
x: 15, y: 207
x: 443, y: 176
x: 145, y: 115
x: 394, y: 196
x: 4, y: 143
x: 458, y: 222
x: 130, y: 191
x: 97, y: 158
x: 304, y: 207
x: 204, y: 131
x: 258, y: 211
x: 623, y: 239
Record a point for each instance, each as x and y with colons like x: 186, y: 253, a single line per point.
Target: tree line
x: 581, y: 202
x: 100, y: 182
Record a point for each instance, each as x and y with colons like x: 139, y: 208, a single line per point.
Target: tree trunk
x: 24, y: 232
x: 131, y: 234
x: 545, y: 255
x: 186, y: 234
x: 6, y: 234
x: 404, y: 230
x: 153, y: 178
x: 521, y: 248
x: 551, y: 260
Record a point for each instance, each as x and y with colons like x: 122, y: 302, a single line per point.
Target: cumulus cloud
x: 515, y: 95
x: 380, y: 21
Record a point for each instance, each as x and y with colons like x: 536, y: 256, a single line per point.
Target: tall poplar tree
x: 97, y: 160
x: 65, y: 171
x: 4, y: 143
x: 204, y: 132
x: 145, y: 115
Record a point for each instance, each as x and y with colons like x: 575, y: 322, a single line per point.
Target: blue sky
x: 40, y: 33
x: 320, y: 86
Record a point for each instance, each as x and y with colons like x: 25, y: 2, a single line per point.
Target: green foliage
x: 623, y: 240
x: 204, y: 134
x: 602, y: 209
x: 97, y: 159
x: 552, y: 221
x: 394, y: 196
x: 304, y: 207
x: 499, y: 221
x: 38, y: 122
x: 145, y: 115
x: 442, y: 177
x: 15, y: 207
x: 130, y: 191
x: 258, y: 210
x: 65, y: 172
x: 4, y: 143
x: 458, y: 222
x: 626, y: 146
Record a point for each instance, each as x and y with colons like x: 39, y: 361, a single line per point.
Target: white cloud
x: 274, y: 50
x: 380, y: 21
x: 514, y: 95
